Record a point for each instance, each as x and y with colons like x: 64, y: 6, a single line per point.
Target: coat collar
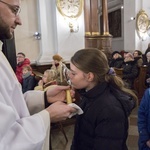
x: 94, y: 92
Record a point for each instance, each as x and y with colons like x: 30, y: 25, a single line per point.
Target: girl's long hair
x: 95, y: 61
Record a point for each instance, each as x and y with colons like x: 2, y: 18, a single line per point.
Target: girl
x: 105, y: 101
x: 48, y: 79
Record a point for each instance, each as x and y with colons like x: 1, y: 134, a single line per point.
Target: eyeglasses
x: 19, y: 56
x: 14, y: 8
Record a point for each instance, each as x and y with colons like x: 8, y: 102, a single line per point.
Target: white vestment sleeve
x: 35, y: 101
x: 19, y: 130
x: 47, y: 123
x: 28, y: 133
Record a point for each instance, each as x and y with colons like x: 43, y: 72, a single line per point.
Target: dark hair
x: 20, y: 53
x: 95, y: 61
x: 91, y: 60
x: 115, y: 52
x: 138, y: 51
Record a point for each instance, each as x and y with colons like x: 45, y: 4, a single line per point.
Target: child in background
x: 28, y: 79
x: 48, y: 79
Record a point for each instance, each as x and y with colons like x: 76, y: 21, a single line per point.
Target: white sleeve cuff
x: 35, y: 101
x: 46, y: 117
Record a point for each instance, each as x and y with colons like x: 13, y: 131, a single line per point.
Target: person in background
x: 48, y: 79
x: 147, y: 64
x: 28, y: 79
x: 144, y: 121
x: 138, y: 57
x: 105, y: 101
x: 147, y: 50
x: 18, y: 129
x: 130, y: 70
x: 21, y: 62
x: 123, y: 53
x: 117, y: 60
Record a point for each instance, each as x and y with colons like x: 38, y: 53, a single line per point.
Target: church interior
x: 63, y: 27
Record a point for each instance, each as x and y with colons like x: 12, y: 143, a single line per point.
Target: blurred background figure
x: 138, y: 57
x: 48, y: 79
x: 147, y: 50
x: 117, y: 60
x: 147, y: 60
x: 130, y: 70
x: 28, y: 79
x: 21, y: 62
x: 147, y: 64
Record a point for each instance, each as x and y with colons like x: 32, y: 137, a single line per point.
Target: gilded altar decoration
x: 70, y: 9
x: 142, y: 23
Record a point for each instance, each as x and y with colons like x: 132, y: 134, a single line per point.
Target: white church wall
x: 24, y: 39
x: 43, y: 16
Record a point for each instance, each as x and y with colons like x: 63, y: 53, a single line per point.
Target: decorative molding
x: 142, y: 21
x: 70, y: 8
x: 142, y: 24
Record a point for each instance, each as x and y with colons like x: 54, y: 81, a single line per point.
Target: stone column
x: 47, y: 24
x: 92, y: 34
x: 105, y: 18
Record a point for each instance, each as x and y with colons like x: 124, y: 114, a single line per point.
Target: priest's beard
x: 4, y: 30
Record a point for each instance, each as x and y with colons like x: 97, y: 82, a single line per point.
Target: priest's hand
x: 59, y: 111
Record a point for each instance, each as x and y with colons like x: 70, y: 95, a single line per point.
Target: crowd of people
x: 130, y: 64
x: 96, y: 85
x: 51, y: 76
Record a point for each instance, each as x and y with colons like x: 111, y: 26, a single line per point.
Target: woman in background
x: 105, y: 101
x: 130, y: 70
x: 116, y: 60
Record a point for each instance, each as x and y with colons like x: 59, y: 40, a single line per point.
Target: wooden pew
x: 139, y: 82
